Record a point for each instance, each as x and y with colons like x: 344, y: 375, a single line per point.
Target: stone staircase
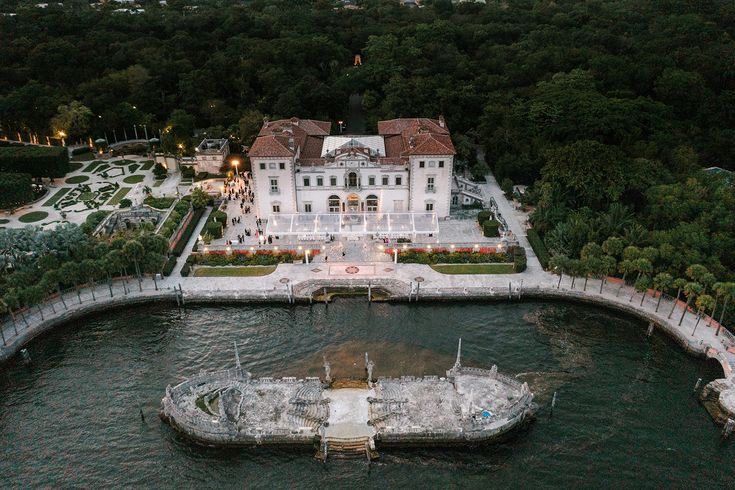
x: 343, y: 448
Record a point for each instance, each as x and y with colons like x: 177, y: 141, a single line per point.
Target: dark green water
x: 625, y: 414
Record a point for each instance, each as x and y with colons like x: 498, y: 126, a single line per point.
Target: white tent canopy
x: 389, y: 225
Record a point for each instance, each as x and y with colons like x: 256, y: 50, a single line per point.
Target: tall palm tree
x: 641, y: 286
x: 114, y: 264
x: 558, y: 264
x: 692, y: 289
x: 679, y: 283
x: 592, y: 265
x: 608, y: 266
x: 134, y: 251
x: 70, y: 272
x: 625, y: 266
x: 661, y: 282
x: 703, y: 302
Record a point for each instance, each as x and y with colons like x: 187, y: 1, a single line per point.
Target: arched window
x: 372, y: 203
x: 333, y: 204
x: 352, y: 179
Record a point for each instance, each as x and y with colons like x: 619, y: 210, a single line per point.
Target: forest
x: 608, y: 109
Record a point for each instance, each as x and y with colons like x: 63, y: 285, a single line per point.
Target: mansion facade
x: 298, y: 167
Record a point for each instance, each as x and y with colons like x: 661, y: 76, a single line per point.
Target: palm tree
x: 592, y: 265
x: 661, y: 282
x: 134, y: 250
x: 641, y: 286
x: 692, y: 289
x: 70, y: 272
x: 575, y: 269
x: 113, y: 264
x: 54, y: 277
x: 90, y: 270
x: 558, y: 263
x: 703, y: 302
x: 625, y: 266
x: 608, y: 265
x: 11, y: 300
x: 679, y: 283
x: 695, y: 272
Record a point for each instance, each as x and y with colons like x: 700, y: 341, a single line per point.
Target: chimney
x: 295, y: 121
x: 291, y: 144
x: 412, y: 142
x: 265, y: 121
x: 441, y: 121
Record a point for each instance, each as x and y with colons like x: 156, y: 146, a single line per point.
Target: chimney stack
x: 441, y: 121
x: 265, y: 121
x: 291, y: 144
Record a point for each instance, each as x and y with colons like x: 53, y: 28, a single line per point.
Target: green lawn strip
x: 56, y: 197
x: 92, y: 167
x: 123, y: 162
x: 119, y: 195
x: 497, y: 268
x: 76, y: 179
x: 33, y: 216
x: 4, y: 221
x: 147, y: 165
x: 158, y: 183
x: 134, y: 179
x: 234, y: 271
x: 74, y: 166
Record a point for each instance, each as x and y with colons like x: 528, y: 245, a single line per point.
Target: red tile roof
x: 274, y: 137
x: 418, y: 136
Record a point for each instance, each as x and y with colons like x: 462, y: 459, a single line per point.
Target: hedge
x: 81, y: 150
x: 421, y: 257
x: 483, y: 216
x: 15, y: 190
x: 219, y: 259
x: 490, y: 228
x: 186, y: 235
x: 186, y: 270
x: 519, y: 259
x: 39, y: 161
x: 93, y: 220
x: 159, y: 202
x: 213, y: 229
x: 169, y: 266
x: 539, y: 248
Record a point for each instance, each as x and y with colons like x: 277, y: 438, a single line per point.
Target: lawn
x: 158, y: 183
x: 87, y: 196
x: 234, y: 271
x: 147, y: 164
x: 77, y: 179
x: 4, y: 221
x: 498, y: 268
x: 92, y: 167
x: 119, y: 195
x: 73, y: 166
x: 56, y: 197
x: 33, y: 216
x: 134, y: 179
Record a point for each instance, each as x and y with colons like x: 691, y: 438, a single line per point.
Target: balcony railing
x: 430, y: 189
x: 275, y: 191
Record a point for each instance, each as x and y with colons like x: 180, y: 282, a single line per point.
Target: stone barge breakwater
x: 231, y: 408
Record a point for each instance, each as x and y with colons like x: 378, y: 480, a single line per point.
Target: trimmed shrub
x: 214, y: 229
x: 187, y: 172
x: 539, y: 248
x: 39, y: 161
x: 81, y: 150
x: 160, y: 171
x: 186, y: 235
x: 186, y: 270
x: 169, y: 267
x: 519, y: 259
x: 159, y: 202
x: 93, y: 220
x: 483, y: 216
x: 15, y: 190
x: 490, y: 228
x: 125, y: 203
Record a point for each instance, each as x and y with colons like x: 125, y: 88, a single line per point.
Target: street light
x: 341, y: 126
x: 235, y: 163
x: 62, y: 135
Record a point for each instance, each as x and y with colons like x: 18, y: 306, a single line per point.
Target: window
x: 352, y: 179
x: 372, y: 203
x: 274, y: 185
x: 262, y: 166
x: 272, y: 166
x: 333, y: 181
x: 385, y: 180
x: 429, y: 206
x: 398, y: 180
x: 441, y: 163
x: 432, y: 164
x: 430, y: 184
x: 320, y: 181
x: 421, y: 164
x: 333, y: 204
x: 371, y: 180
x: 306, y: 181
x: 307, y: 207
x: 276, y: 208
x: 281, y: 166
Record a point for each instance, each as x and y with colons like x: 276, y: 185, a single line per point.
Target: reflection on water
x: 624, y: 415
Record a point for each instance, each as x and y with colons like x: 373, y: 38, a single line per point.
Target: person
x: 238, y: 220
x: 326, y: 258
x: 343, y: 253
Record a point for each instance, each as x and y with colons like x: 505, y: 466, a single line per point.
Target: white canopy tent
x: 381, y: 225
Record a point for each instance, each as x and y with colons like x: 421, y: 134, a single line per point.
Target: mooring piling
x: 697, y: 384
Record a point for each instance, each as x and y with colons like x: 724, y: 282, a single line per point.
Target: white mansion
x: 297, y: 168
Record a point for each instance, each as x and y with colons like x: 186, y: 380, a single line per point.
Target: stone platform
x: 231, y: 408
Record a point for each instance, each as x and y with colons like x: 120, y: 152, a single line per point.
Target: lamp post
x: 235, y: 163
x: 62, y: 135
x: 341, y: 126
